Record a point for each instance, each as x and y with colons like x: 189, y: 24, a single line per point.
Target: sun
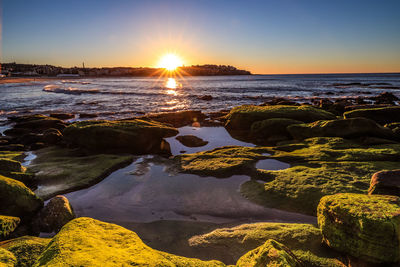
x: 170, y: 62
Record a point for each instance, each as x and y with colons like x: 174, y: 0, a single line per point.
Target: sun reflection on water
x: 171, y: 84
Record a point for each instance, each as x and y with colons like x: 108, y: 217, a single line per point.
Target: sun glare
x: 170, y: 62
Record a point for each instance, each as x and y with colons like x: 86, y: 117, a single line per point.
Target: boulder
x: 26, y: 249
x: 88, y: 242
x: 363, y: 226
x: 9, y: 165
x: 385, y: 183
x: 131, y: 136
x: 16, y: 199
x: 37, y: 123
x: 385, y: 98
x: 272, y: 253
x: 177, y: 119
x: 380, y: 115
x: 242, y: 117
x: 7, y: 259
x: 304, y: 240
x: 272, y: 130
x: 191, y: 140
x: 52, y: 136
x: 55, y: 215
x: 7, y: 225
x: 62, y: 116
x: 346, y: 128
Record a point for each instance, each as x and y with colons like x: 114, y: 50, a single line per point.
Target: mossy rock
x: 60, y: 170
x: 271, y: 253
x: 16, y: 199
x: 242, y: 117
x: 26, y: 249
x: 177, y: 119
x: 272, y: 130
x: 380, y: 115
x: 88, y: 242
x: 305, y: 240
x: 36, y: 123
x: 7, y: 259
x: 346, y: 128
x: 9, y: 165
x: 220, y: 162
x: 131, y: 136
x: 364, y: 226
x: 191, y: 140
x: 12, y: 155
x: 319, y: 166
x: 385, y: 183
x: 8, y: 225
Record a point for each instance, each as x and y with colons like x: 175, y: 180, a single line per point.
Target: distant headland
x: 33, y: 70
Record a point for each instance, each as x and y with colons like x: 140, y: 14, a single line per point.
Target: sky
x: 265, y: 37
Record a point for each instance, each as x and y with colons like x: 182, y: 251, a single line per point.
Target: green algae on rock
x: 60, y: 170
x: 364, y: 226
x: 346, y: 128
x: 7, y: 259
x: 26, y: 249
x: 88, y: 242
x: 381, y: 115
x: 272, y: 130
x: 8, y: 225
x: 303, y: 239
x: 16, y: 199
x: 242, y: 117
x: 271, y: 253
x: 320, y: 166
x: 130, y: 136
x: 221, y: 162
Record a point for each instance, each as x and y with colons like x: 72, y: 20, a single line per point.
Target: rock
x: 363, y: 226
x: 177, y: 119
x: 7, y: 225
x: 346, y: 128
x: 88, y: 242
x: 130, y: 136
x: 62, y: 116
x: 205, y: 97
x: 26, y: 249
x: 87, y: 115
x: 385, y: 98
x: 191, y: 140
x: 52, y: 136
x: 7, y: 259
x: 304, y: 240
x: 9, y: 165
x: 12, y: 147
x: 271, y: 130
x: 385, y: 183
x: 319, y: 166
x: 55, y: 214
x: 242, y: 117
x: 272, y: 253
x: 220, y: 162
x: 38, y: 123
x: 60, y: 170
x: 380, y: 115
x: 37, y: 146
x: 16, y: 199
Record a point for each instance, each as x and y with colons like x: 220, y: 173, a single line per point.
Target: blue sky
x: 285, y: 36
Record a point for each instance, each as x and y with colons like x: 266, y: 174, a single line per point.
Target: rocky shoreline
x: 344, y: 158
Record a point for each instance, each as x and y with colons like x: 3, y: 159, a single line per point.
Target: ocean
x: 112, y: 98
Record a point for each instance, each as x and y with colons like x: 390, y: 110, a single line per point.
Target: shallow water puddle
x: 271, y: 164
x: 216, y: 137
x: 30, y: 156
x: 145, y: 192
